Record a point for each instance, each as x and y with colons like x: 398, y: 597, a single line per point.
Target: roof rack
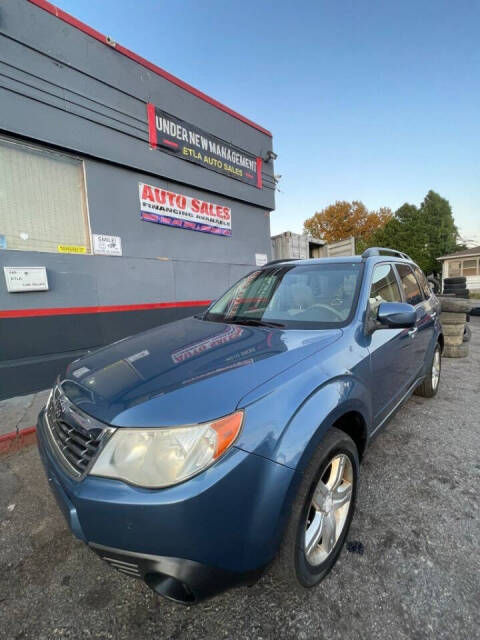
x: 267, y: 264
x: 378, y: 251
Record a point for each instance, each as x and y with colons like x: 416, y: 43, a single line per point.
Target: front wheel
x: 429, y: 386
x: 321, y: 513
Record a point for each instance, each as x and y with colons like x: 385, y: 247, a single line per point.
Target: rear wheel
x: 321, y: 513
x: 429, y: 386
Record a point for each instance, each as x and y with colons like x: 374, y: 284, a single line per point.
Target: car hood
x: 184, y: 372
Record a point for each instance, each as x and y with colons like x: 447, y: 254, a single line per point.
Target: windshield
x: 302, y: 297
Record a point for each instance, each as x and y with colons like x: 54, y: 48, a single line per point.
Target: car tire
x: 456, y: 280
x: 459, y: 293
x: 455, y: 287
x: 429, y: 387
x: 454, y: 306
x: 448, y: 317
x: 455, y: 330
x: 456, y: 351
x: 293, y: 566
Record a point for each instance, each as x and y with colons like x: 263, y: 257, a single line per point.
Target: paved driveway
x: 417, y: 521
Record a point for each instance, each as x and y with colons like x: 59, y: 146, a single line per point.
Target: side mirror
x: 396, y: 315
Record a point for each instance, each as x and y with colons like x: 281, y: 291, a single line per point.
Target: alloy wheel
x: 436, y: 368
x: 329, y: 509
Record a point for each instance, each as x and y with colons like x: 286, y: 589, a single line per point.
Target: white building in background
x: 463, y: 263
x: 303, y: 246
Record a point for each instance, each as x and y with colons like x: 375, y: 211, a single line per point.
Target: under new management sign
x: 170, y: 134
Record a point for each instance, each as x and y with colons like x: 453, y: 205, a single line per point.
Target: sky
x: 377, y: 101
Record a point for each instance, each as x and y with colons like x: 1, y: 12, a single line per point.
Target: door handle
x: 412, y: 332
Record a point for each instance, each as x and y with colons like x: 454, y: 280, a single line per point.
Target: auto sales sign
x: 178, y: 210
x: 172, y: 135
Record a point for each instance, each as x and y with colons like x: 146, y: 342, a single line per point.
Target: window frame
x: 422, y: 289
x: 461, y: 261
x: 409, y: 265
x: 44, y: 149
x: 395, y: 274
x: 473, y: 258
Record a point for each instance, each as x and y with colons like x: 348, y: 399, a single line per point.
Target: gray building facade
x: 84, y: 125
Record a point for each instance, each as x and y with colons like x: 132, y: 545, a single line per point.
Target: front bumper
x: 190, y: 541
x: 177, y: 579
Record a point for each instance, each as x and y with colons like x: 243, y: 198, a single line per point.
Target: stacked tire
x: 456, y: 287
x: 453, y: 318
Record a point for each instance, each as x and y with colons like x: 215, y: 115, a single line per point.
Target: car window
x: 427, y: 292
x: 297, y: 296
x: 384, y: 287
x: 411, y: 288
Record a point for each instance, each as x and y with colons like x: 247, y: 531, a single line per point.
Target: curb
x: 16, y: 440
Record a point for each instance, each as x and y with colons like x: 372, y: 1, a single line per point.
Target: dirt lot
x: 417, y: 521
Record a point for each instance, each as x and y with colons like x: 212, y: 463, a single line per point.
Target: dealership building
x: 127, y: 197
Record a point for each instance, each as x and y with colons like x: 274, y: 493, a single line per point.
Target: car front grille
x: 76, y: 437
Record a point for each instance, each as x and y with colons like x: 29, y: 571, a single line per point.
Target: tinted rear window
x: 423, y: 282
x: 410, y: 286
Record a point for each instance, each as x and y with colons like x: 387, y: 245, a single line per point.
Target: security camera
x: 270, y: 155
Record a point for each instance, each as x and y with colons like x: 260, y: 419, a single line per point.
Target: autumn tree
x: 344, y: 219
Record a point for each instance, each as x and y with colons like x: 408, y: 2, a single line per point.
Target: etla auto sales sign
x: 184, y: 212
x: 172, y: 135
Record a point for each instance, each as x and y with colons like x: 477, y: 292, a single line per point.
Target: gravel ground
x: 413, y: 569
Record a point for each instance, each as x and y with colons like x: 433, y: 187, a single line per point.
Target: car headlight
x: 156, y: 458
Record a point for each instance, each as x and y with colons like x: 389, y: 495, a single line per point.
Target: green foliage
x: 425, y: 233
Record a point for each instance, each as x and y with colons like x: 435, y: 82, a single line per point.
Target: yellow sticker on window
x: 71, y: 248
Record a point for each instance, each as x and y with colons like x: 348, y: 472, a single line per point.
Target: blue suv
x: 199, y: 453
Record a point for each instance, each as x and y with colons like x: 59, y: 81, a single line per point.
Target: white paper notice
x: 107, y: 245
x: 26, y: 279
x: 261, y: 259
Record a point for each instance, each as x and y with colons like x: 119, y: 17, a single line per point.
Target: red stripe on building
x: 66, y: 311
x: 152, y: 127
x: 78, y: 24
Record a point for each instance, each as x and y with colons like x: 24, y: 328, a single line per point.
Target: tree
x: 425, y: 233
x: 442, y: 233
x: 344, y: 219
x: 406, y: 232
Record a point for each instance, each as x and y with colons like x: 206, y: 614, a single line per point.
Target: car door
x: 423, y: 334
x: 391, y: 350
x: 431, y: 305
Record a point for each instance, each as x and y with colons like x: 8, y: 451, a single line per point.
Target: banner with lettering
x: 184, y: 212
x: 169, y: 133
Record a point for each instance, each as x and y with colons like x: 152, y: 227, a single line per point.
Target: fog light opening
x: 170, y: 588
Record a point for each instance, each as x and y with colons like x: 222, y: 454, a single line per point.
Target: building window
x: 42, y: 200
x: 470, y: 267
x: 454, y: 268
x: 467, y: 267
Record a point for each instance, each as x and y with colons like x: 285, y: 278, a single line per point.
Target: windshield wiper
x: 255, y: 323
